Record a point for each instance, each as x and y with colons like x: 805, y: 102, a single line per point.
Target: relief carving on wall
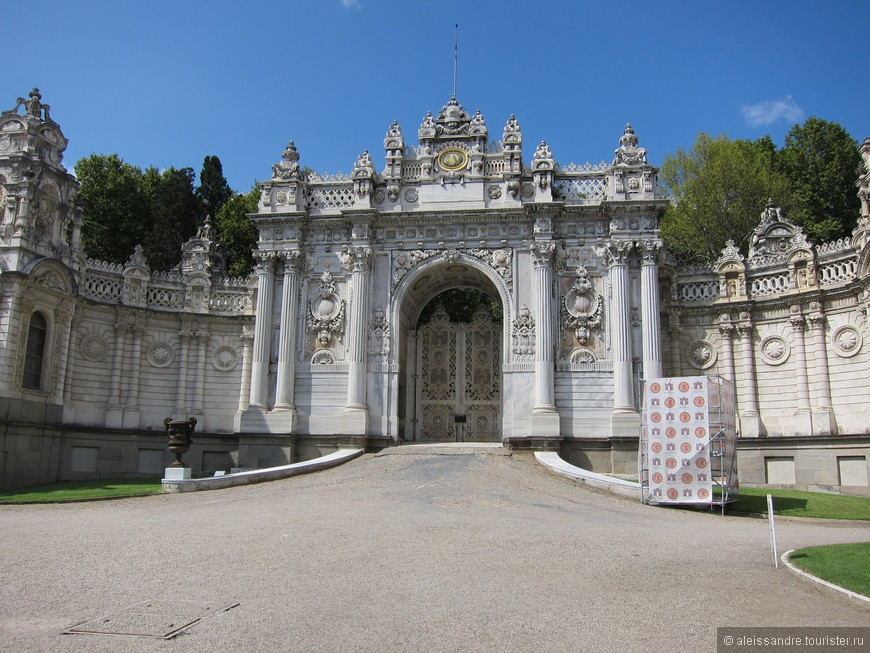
x: 582, y: 307
x: 326, y: 311
x: 379, y: 336
x: 523, y: 336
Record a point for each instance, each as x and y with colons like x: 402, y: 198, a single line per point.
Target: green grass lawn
x: 79, y: 490
x: 795, y: 503
x: 846, y: 565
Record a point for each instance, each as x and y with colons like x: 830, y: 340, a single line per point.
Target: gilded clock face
x: 453, y: 159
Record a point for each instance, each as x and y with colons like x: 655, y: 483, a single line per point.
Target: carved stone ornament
x: 224, y: 358
x: 774, y: 350
x: 323, y: 357
x: 379, y: 336
x: 326, y: 311
x: 582, y: 355
x: 628, y: 153
x: 523, y: 336
x: 412, y: 195
x: 160, y: 354
x: 494, y: 192
x: 93, y: 347
x: 288, y: 167
x: 583, y: 307
x: 702, y: 355
x: 847, y: 341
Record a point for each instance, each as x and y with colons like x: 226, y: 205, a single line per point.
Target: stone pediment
x: 775, y: 238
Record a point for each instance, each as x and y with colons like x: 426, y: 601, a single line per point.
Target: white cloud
x: 347, y: 4
x: 769, y: 111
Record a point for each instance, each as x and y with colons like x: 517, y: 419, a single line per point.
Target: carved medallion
x: 93, y: 347
x: 775, y: 350
x: 160, y: 354
x: 702, y: 355
x: 224, y: 358
x: 847, y: 341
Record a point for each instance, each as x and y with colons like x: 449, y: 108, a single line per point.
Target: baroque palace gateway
x: 324, y: 346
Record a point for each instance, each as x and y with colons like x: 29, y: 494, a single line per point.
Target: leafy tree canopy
x: 237, y: 233
x: 115, y: 206
x: 720, y: 187
x: 161, y: 209
x: 820, y: 160
x: 213, y: 190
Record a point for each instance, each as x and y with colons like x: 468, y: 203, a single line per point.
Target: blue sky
x: 167, y: 83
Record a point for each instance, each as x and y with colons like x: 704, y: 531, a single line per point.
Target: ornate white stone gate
x: 459, y: 380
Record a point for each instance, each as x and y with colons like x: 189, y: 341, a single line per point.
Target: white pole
x: 772, y: 530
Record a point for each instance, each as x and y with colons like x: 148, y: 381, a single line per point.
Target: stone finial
x: 288, y: 167
x: 628, y: 153
x: 32, y: 107
x: 543, y: 151
x: 363, y: 166
x: 512, y: 126
x: 395, y: 131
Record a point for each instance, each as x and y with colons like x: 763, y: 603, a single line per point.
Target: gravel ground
x: 406, y: 553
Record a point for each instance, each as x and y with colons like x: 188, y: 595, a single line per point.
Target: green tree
x: 116, y: 208
x: 213, y: 190
x: 718, y: 191
x: 175, y: 214
x: 820, y: 160
x: 237, y: 233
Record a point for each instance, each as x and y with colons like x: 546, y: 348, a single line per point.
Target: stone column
x: 247, y: 338
x: 65, y: 316
x: 823, y: 412
x: 542, y: 295
x: 69, y: 413
x: 726, y: 331
x: 618, y: 252
x: 650, y: 316
x: 114, y: 413
x: 750, y: 423
x: 803, y: 415
x: 358, y: 260
x: 262, y: 331
x: 131, y: 409
x: 284, y: 393
x: 181, y: 387
x: 200, y: 340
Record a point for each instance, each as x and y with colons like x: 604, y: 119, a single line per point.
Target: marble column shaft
x: 262, y: 333
x: 651, y: 335
x: 545, y: 392
x: 358, y: 260
x: 284, y: 392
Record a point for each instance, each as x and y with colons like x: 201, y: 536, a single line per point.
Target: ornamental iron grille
x: 459, y: 394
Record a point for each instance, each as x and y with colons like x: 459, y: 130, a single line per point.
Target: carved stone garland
x: 497, y: 259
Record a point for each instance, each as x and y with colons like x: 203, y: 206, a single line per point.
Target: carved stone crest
x: 326, y: 311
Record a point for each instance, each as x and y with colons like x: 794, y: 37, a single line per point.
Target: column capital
x: 265, y: 262
x: 649, y: 250
x: 615, y: 252
x: 293, y: 260
x: 543, y: 253
x: 356, y: 259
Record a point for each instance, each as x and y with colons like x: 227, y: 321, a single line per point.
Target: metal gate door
x: 459, y: 380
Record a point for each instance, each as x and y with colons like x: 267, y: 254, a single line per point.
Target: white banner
x: 677, y: 428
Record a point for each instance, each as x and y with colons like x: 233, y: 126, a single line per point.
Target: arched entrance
x: 451, y: 386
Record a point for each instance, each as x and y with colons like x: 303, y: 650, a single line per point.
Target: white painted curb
x: 553, y: 462
x: 260, y: 475
x: 830, y: 588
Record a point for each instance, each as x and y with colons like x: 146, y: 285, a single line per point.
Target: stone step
x: 447, y: 449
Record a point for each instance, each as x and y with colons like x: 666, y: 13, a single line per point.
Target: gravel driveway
x: 464, y: 552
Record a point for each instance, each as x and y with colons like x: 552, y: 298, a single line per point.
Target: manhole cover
x: 159, y: 618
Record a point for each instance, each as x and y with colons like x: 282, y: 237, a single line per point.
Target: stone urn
x: 180, y: 432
